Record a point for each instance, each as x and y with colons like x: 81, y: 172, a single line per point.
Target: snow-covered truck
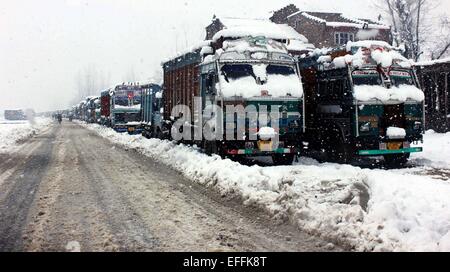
x: 362, y: 100
x: 252, y: 73
x: 121, y: 108
x: 15, y: 115
x: 93, y: 109
x: 152, y: 122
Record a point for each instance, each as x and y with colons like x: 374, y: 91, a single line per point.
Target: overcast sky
x: 45, y: 43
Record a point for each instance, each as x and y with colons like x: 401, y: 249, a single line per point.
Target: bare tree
x: 130, y: 75
x: 441, y: 48
x: 410, y: 27
x: 89, y: 81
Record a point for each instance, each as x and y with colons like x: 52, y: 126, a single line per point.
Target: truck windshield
x: 401, y: 78
x: 280, y: 70
x: 366, y: 78
x: 236, y: 71
x: 127, y: 98
x: 123, y: 118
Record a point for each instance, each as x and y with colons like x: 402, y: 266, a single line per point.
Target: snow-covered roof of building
x: 339, y: 20
x: 238, y: 28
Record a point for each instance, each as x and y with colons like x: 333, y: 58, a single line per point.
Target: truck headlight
x: 417, y: 125
x: 365, y: 127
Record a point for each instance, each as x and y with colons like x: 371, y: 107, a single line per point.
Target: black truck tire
x: 283, y: 159
x: 210, y: 147
x: 396, y: 160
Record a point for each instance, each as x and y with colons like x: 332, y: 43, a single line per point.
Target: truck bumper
x: 387, y: 152
x: 257, y: 152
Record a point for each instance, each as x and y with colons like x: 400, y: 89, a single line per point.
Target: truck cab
x: 363, y: 101
x: 258, y: 75
x: 152, y: 112
x: 121, y: 108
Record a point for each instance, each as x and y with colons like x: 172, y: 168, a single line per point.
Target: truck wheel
x: 396, y: 160
x: 210, y: 147
x: 283, y: 159
x: 338, y: 151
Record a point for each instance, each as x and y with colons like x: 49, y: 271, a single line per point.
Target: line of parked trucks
x: 258, y: 99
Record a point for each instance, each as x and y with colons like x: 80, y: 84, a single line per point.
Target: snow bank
x: 402, y: 93
x: 372, y: 210
x: 436, y: 151
x: 12, y: 132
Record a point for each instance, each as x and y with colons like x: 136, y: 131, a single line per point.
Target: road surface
x: 67, y: 189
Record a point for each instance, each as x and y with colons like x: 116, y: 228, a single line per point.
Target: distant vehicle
x: 152, y: 113
x: 15, y: 115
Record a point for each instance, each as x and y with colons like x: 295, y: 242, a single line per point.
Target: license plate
x: 394, y: 146
x: 265, y: 146
x: 131, y: 129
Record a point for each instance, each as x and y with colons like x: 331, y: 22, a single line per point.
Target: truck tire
x: 283, y: 159
x: 396, y: 160
x: 337, y: 150
x: 210, y: 147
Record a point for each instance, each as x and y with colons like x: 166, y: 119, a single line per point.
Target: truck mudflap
x: 387, y: 151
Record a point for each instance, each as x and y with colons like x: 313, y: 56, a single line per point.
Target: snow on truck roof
x: 238, y: 28
x: 362, y: 52
x: 251, y: 49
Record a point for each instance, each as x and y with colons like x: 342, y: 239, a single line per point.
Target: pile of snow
x: 436, y: 151
x: 382, y: 58
x: 372, y: 210
x: 395, y: 133
x: 403, y: 93
x: 13, y: 132
x: 239, y: 28
x: 246, y: 45
x: 266, y: 133
x: 364, y: 52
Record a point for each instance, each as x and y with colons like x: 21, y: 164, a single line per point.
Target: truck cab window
x: 366, y: 78
x: 236, y: 71
x: 401, y: 78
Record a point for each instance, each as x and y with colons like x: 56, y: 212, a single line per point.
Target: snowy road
x: 69, y: 189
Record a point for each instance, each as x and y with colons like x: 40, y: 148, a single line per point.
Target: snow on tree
x: 413, y: 30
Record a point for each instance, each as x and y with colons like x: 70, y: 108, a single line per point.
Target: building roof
x: 334, y: 19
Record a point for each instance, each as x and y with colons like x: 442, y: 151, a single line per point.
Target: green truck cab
x: 363, y: 100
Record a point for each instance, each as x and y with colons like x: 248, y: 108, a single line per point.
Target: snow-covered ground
x: 437, y: 151
x: 12, y: 132
x: 370, y: 210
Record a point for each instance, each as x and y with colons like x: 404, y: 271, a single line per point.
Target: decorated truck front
x: 259, y: 76
x: 244, y: 98
x: 366, y: 102
x: 121, y: 108
x: 93, y: 109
